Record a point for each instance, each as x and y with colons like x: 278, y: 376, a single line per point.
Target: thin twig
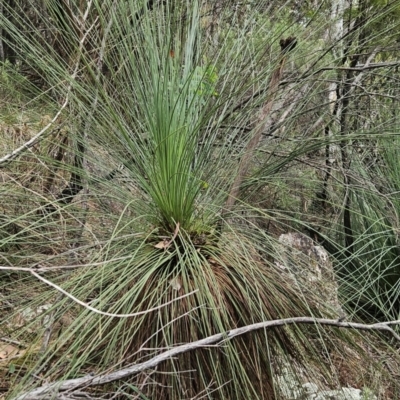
x: 176, y: 231
x: 11, y: 341
x: 38, y: 268
x: 360, y: 67
x: 89, y: 307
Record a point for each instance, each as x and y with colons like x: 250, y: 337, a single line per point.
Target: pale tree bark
x: 333, y: 38
x: 342, y: 40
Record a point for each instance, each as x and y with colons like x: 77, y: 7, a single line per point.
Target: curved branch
x: 107, y: 314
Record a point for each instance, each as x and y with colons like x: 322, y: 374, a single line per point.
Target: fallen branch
x: 89, y: 380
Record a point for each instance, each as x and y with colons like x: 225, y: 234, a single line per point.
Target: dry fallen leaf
x: 175, y: 283
x: 7, y: 351
x: 163, y: 244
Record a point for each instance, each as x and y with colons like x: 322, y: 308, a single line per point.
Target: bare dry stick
x: 39, y: 268
x: 89, y: 380
x: 88, y: 306
x: 95, y: 310
x: 45, y: 131
x: 286, y: 45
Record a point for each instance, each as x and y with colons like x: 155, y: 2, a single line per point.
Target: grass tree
x: 177, y: 238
